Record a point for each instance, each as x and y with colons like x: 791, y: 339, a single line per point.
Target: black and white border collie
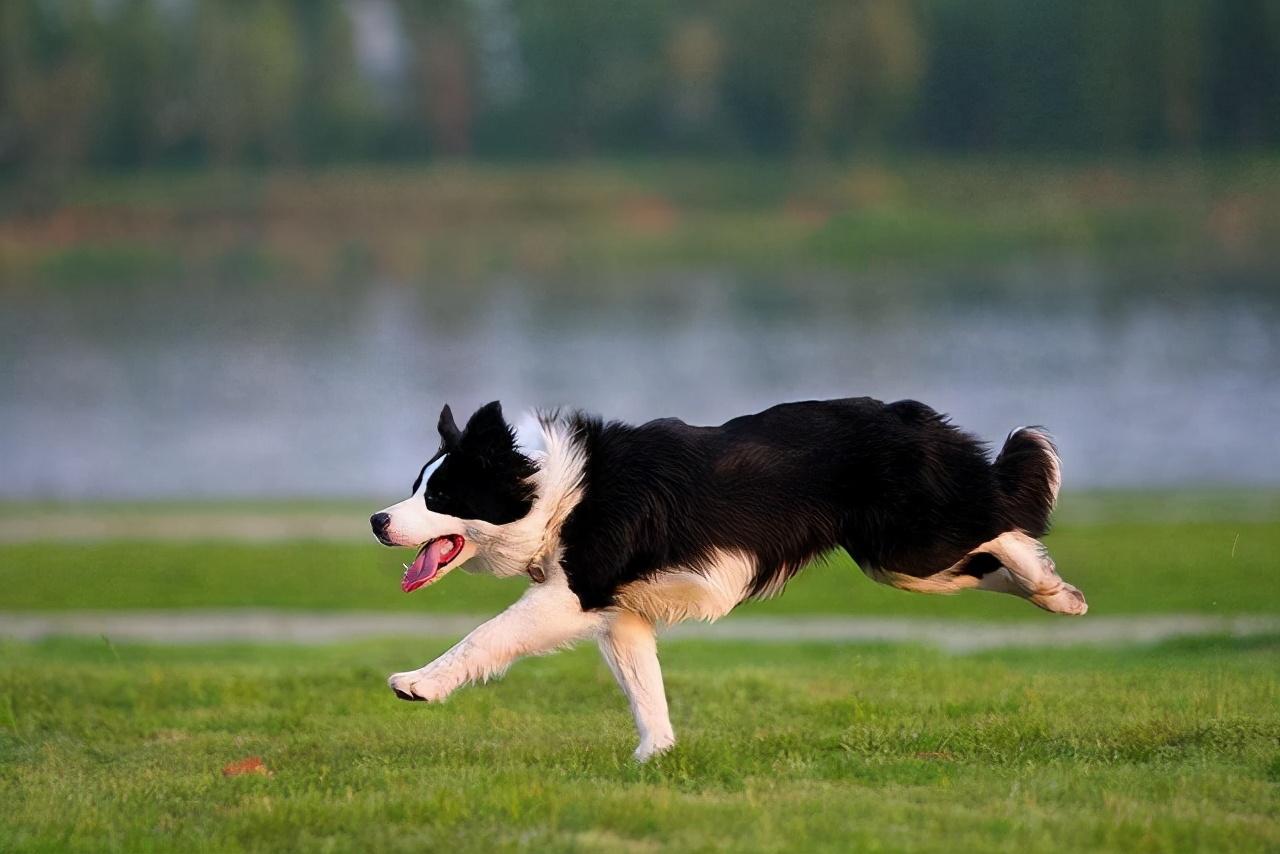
x: 621, y: 528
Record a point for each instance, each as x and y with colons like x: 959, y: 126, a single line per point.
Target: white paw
x: 1064, y: 600
x: 416, y: 685
x: 651, y: 747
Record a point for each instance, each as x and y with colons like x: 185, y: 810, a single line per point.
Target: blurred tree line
x: 130, y: 83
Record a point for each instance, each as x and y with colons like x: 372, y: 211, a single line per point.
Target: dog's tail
x: 1029, y: 474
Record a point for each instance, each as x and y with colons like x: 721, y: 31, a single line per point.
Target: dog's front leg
x: 546, y: 617
x: 631, y: 650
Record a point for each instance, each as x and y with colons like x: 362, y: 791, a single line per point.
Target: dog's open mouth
x: 434, y: 556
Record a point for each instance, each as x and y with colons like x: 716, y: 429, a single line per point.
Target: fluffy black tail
x: 1029, y: 474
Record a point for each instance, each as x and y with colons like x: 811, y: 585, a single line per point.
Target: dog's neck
x: 532, y: 545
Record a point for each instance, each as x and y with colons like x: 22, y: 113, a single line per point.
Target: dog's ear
x: 487, y: 430
x: 449, y: 432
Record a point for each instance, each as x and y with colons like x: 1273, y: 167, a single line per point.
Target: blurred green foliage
x: 129, y: 83
x: 419, y: 222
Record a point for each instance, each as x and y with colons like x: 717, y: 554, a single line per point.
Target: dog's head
x: 476, y: 483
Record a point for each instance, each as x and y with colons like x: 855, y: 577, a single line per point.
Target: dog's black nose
x: 379, y: 521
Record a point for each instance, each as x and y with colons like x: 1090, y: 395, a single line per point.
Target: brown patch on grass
x: 248, y: 765
x: 939, y: 755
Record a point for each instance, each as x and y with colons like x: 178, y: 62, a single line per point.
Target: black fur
x: 483, y: 475
x: 1023, y: 472
x: 896, y: 485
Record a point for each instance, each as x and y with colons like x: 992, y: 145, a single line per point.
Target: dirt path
x: 261, y: 626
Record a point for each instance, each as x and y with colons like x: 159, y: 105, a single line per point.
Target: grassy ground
x: 801, y: 748
x: 1136, y: 567
x: 783, y: 747
x: 474, y: 220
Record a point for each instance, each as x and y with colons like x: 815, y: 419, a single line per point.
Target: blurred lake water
x: 1147, y: 376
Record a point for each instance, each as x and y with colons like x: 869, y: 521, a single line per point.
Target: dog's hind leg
x: 1013, y: 563
x: 1026, y: 570
x: 631, y: 651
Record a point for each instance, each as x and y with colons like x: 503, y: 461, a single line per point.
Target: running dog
x: 621, y: 528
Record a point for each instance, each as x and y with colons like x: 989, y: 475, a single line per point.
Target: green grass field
x: 1176, y: 747
x: 1132, y: 568
x: 782, y: 747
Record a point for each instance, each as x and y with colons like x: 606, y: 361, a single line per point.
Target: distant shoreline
x: 473, y: 220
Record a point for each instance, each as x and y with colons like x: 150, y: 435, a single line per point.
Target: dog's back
x: 896, y: 485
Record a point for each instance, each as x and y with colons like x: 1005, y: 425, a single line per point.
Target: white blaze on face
x: 441, y: 539
x: 411, y: 522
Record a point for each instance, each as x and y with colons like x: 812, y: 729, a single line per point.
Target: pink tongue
x: 424, y: 566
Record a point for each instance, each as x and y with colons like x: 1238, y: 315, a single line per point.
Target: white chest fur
x: 683, y: 593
